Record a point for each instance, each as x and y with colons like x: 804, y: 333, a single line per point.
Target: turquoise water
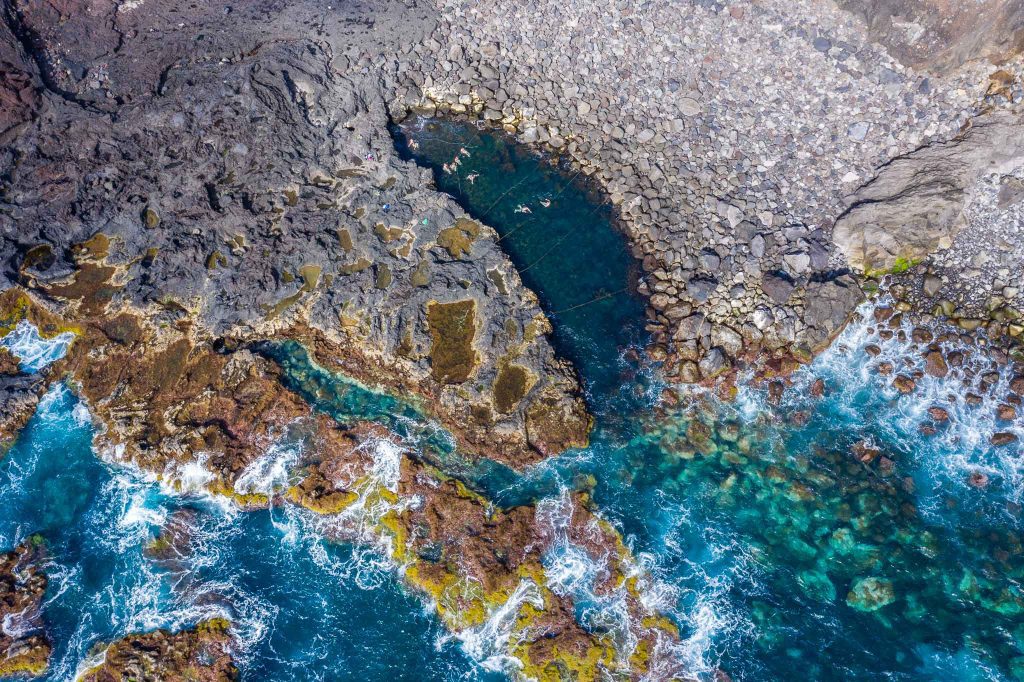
x: 754, y: 519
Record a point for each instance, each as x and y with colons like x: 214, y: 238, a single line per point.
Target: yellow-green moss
x: 899, y: 266
x: 458, y: 239
x: 150, y: 218
x: 388, y: 234
x: 353, y: 268
x: 310, y: 275
x: 452, y: 330
x: 216, y: 260
x: 29, y: 664
x: 345, y: 240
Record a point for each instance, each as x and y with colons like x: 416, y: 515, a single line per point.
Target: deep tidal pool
x: 778, y: 554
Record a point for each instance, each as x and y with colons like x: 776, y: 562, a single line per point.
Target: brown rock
x: 818, y: 388
x: 1003, y: 438
x: 24, y: 647
x: 904, y: 384
x: 977, y: 479
x: 921, y: 335
x: 8, y: 363
x: 885, y: 368
x: 198, y: 655
x: 935, y: 364
x: 1006, y: 413
x: 938, y: 414
x: 872, y: 350
x: 1017, y: 384
x: 864, y: 452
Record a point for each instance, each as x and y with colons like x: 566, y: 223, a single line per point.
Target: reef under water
x: 818, y: 534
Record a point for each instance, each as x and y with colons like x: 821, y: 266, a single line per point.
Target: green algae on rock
x: 871, y: 594
x: 511, y: 385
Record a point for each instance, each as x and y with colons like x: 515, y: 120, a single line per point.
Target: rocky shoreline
x: 178, y: 187
x: 741, y: 213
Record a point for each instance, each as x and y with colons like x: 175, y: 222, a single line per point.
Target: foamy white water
x: 32, y: 350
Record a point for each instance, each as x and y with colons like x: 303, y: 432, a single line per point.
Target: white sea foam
x: 867, y: 403
x: 32, y: 350
x: 189, y: 477
x: 268, y: 474
x: 489, y: 643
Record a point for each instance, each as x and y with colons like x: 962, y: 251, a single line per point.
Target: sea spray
x: 32, y: 350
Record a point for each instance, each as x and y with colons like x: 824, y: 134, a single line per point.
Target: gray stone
x: 858, y: 131
x: 778, y: 286
x: 700, y: 288
x: 714, y: 363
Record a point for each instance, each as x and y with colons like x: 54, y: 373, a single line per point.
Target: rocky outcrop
x: 24, y: 647
x: 916, y: 203
x: 202, y: 654
x: 941, y: 35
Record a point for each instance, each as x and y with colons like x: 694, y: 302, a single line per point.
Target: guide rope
x: 596, y: 299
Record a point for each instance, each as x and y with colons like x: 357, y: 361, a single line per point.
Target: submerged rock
x: 871, y: 594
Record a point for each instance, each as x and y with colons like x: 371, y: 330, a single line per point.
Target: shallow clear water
x: 754, y: 519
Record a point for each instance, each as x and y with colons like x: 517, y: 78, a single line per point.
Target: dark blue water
x: 559, y: 233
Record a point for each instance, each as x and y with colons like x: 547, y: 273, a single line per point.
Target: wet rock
x: 1006, y: 413
x: 24, y: 646
x: 817, y: 389
x: 864, y: 452
x: 935, y: 364
x: 938, y: 414
x: 904, y: 384
x: 202, y: 654
x: 1003, y: 438
x: 873, y: 350
x: 977, y: 479
x: 921, y: 335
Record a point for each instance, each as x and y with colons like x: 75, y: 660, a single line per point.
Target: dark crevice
x: 32, y: 45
